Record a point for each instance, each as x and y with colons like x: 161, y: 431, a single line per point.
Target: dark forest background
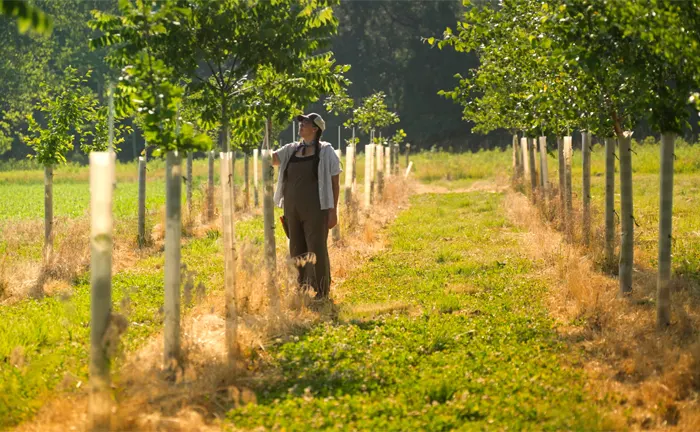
x: 382, y: 40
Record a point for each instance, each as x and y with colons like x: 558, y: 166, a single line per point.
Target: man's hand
x: 332, y: 218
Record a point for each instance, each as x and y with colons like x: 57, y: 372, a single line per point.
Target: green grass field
x: 470, y: 345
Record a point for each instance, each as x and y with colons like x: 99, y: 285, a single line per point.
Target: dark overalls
x: 307, y: 223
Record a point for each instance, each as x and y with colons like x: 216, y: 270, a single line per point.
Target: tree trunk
x: 609, y: 201
x: 586, y: 192
x: 173, y: 229
x: 256, y: 192
x: 101, y: 189
x: 663, y: 292
x: 48, y: 211
x: 369, y: 152
x: 246, y: 181
x: 210, y: 187
x: 408, y: 170
x: 626, y: 215
x: 269, y: 219
x: 189, y: 184
x: 225, y: 145
x: 408, y: 152
x: 229, y: 261
x: 533, y: 170
x: 544, y: 167
x: 142, y: 202
x: 568, y: 192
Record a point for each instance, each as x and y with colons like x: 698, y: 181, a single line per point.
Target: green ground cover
x: 472, y: 348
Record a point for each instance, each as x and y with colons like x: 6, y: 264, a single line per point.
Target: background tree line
x: 383, y: 41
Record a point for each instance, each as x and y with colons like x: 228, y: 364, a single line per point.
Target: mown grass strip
x: 471, y: 346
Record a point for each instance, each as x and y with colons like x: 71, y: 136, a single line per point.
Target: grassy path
x: 445, y: 330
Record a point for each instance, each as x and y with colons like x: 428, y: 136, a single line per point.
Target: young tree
x: 67, y: 111
x: 373, y: 113
x: 222, y: 43
x: 143, y: 40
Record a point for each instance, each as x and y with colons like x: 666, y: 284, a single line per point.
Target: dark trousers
x: 308, y: 242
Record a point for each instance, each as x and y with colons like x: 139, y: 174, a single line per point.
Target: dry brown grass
x: 652, y: 378
x: 207, y: 386
x: 22, y: 276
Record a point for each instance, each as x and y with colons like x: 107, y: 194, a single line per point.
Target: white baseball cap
x: 315, y: 118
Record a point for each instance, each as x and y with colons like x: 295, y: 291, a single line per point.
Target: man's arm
x: 275, y: 159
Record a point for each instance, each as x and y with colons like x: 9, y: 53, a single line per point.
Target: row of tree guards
x: 381, y: 163
x: 529, y: 159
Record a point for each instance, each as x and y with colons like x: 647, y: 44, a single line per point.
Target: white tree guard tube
x: 626, y: 215
x: 369, y: 152
x: 663, y: 291
x: 101, y: 243
x: 142, y: 202
x: 256, y: 183
x: 173, y: 229
x: 229, y: 262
